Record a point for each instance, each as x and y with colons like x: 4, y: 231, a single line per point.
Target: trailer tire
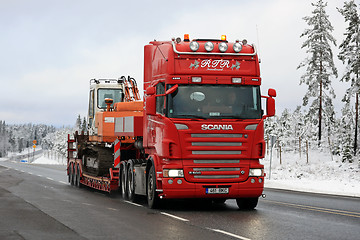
x: 152, y: 197
x: 72, y: 180
x: 130, y: 181
x: 78, y: 184
x: 123, y: 182
x: 247, y: 203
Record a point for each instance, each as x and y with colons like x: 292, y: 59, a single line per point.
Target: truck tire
x: 247, y: 203
x: 152, y: 197
x: 123, y: 182
x: 130, y: 181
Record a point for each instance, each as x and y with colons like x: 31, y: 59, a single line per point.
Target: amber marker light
x: 223, y: 37
x: 186, y: 38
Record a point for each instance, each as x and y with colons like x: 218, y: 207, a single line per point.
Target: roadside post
x: 34, y: 146
x: 272, y: 143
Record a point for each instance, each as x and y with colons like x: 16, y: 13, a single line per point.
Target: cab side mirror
x: 270, y: 103
x: 150, y: 101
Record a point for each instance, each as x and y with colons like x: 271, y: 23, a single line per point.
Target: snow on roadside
x: 323, y: 174
x: 45, y: 160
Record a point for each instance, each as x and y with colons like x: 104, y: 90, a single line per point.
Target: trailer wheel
x: 130, y: 181
x: 78, y: 184
x: 72, y: 173
x: 152, y: 197
x: 69, y: 173
x: 247, y: 203
x: 123, y: 181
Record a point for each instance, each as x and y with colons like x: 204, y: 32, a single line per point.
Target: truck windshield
x: 114, y: 94
x: 214, y: 101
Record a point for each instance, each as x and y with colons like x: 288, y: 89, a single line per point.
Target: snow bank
x: 323, y: 174
x: 45, y: 160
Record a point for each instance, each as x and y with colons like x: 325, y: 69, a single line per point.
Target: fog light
x: 260, y: 180
x: 170, y: 181
x: 252, y: 180
x: 179, y: 181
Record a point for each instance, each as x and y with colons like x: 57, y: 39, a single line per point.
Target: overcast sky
x: 49, y: 50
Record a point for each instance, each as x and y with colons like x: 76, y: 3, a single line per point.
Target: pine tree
x: 345, y: 131
x: 78, y: 123
x: 319, y: 66
x: 84, y: 125
x: 350, y: 55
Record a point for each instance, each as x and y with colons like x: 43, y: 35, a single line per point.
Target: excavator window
x: 116, y: 94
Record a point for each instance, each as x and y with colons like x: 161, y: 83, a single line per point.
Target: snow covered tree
x: 319, y: 66
x: 84, y: 125
x: 345, y: 132
x: 350, y: 55
x: 78, y: 123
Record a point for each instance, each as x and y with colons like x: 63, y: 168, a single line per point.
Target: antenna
x: 258, y: 42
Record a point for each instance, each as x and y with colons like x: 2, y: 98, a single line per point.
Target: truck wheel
x: 247, y: 203
x: 123, y: 182
x: 152, y: 197
x: 130, y: 181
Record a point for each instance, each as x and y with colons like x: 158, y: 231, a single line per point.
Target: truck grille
x: 216, y: 143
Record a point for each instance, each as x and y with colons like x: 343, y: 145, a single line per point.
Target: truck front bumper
x: 180, y: 188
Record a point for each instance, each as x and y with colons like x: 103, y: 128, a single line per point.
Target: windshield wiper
x: 189, y: 115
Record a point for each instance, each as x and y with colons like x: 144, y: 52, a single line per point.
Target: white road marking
x: 135, y: 204
x: 50, y: 178
x: 39, y: 175
x: 229, y: 234
x: 62, y: 182
x: 87, y: 204
x: 113, y: 209
x: 173, y: 216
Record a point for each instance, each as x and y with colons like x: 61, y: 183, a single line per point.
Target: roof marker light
x: 186, y: 38
x: 223, y: 37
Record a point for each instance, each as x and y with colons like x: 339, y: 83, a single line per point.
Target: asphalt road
x: 37, y: 203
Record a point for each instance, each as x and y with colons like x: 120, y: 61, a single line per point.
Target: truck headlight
x: 256, y: 172
x: 173, y: 173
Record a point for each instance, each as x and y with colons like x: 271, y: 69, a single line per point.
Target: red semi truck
x: 199, y: 133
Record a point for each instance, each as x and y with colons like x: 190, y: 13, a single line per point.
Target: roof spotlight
x: 194, y: 46
x: 209, y: 46
x: 237, y: 47
x: 223, y: 47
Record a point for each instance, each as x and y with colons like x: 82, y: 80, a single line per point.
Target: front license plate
x: 217, y: 190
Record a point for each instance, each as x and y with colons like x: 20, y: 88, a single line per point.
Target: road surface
x: 36, y: 202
